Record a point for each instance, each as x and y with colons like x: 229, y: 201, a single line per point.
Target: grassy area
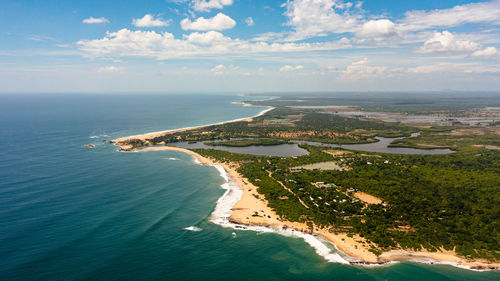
x: 461, y: 139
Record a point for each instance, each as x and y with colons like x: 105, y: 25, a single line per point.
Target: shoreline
x: 243, y: 208
x: 151, y: 135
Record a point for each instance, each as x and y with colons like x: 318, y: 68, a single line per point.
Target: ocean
x: 68, y: 212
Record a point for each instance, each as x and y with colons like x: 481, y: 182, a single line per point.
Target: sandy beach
x: 152, y: 135
x: 252, y: 210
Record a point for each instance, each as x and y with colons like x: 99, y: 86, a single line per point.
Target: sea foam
x: 323, y: 248
x: 432, y: 261
x: 233, y: 193
x: 193, y: 228
x: 196, y: 161
x: 99, y: 136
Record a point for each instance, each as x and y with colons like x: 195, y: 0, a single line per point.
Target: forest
x: 450, y: 202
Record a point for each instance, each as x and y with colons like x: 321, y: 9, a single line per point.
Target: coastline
x: 243, y: 208
x: 161, y: 133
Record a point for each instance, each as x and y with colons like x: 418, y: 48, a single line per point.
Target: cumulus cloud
x: 127, y: 43
x: 249, y: 21
x: 207, y: 38
x: 489, y: 52
x: 218, y: 22
x: 93, y: 20
x: 288, y: 68
x: 447, y: 42
x: 310, y: 18
x: 313, y: 18
x: 382, y: 27
x: 149, y: 21
x: 218, y: 69
x: 484, y: 12
x: 361, y: 69
x: 206, y: 6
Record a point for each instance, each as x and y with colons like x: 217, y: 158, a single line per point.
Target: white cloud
x: 249, y: 21
x: 149, y: 21
x: 288, y: 68
x: 361, y: 69
x: 205, y: 6
x: 453, y: 67
x: 447, y: 42
x: 127, y: 43
x: 327, y: 69
x: 218, y: 22
x: 109, y: 69
x: 361, y: 62
x: 207, y: 38
x: 310, y: 18
x: 489, y: 52
x: 221, y: 69
x: 269, y: 36
x: 41, y: 38
x: 93, y: 20
x: 484, y: 12
x: 382, y: 27
x: 218, y: 70
x: 425, y: 69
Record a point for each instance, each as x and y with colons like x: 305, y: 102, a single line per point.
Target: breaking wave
x: 193, y: 228
x: 233, y: 193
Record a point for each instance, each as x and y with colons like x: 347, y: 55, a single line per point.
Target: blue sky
x: 249, y: 46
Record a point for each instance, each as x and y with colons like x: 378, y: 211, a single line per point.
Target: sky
x: 173, y: 46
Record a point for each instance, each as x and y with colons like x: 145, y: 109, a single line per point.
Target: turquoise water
x: 72, y: 213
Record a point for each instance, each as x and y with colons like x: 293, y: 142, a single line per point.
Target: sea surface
x: 68, y: 212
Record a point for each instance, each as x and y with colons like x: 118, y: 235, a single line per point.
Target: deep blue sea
x: 68, y: 212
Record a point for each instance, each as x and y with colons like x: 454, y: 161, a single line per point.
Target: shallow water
x: 382, y: 147
x: 292, y: 149
x: 281, y: 150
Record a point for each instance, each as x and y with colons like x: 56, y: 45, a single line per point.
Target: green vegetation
x: 446, y: 201
x: 431, y: 201
x: 296, y: 124
x: 463, y: 139
x: 456, y: 104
